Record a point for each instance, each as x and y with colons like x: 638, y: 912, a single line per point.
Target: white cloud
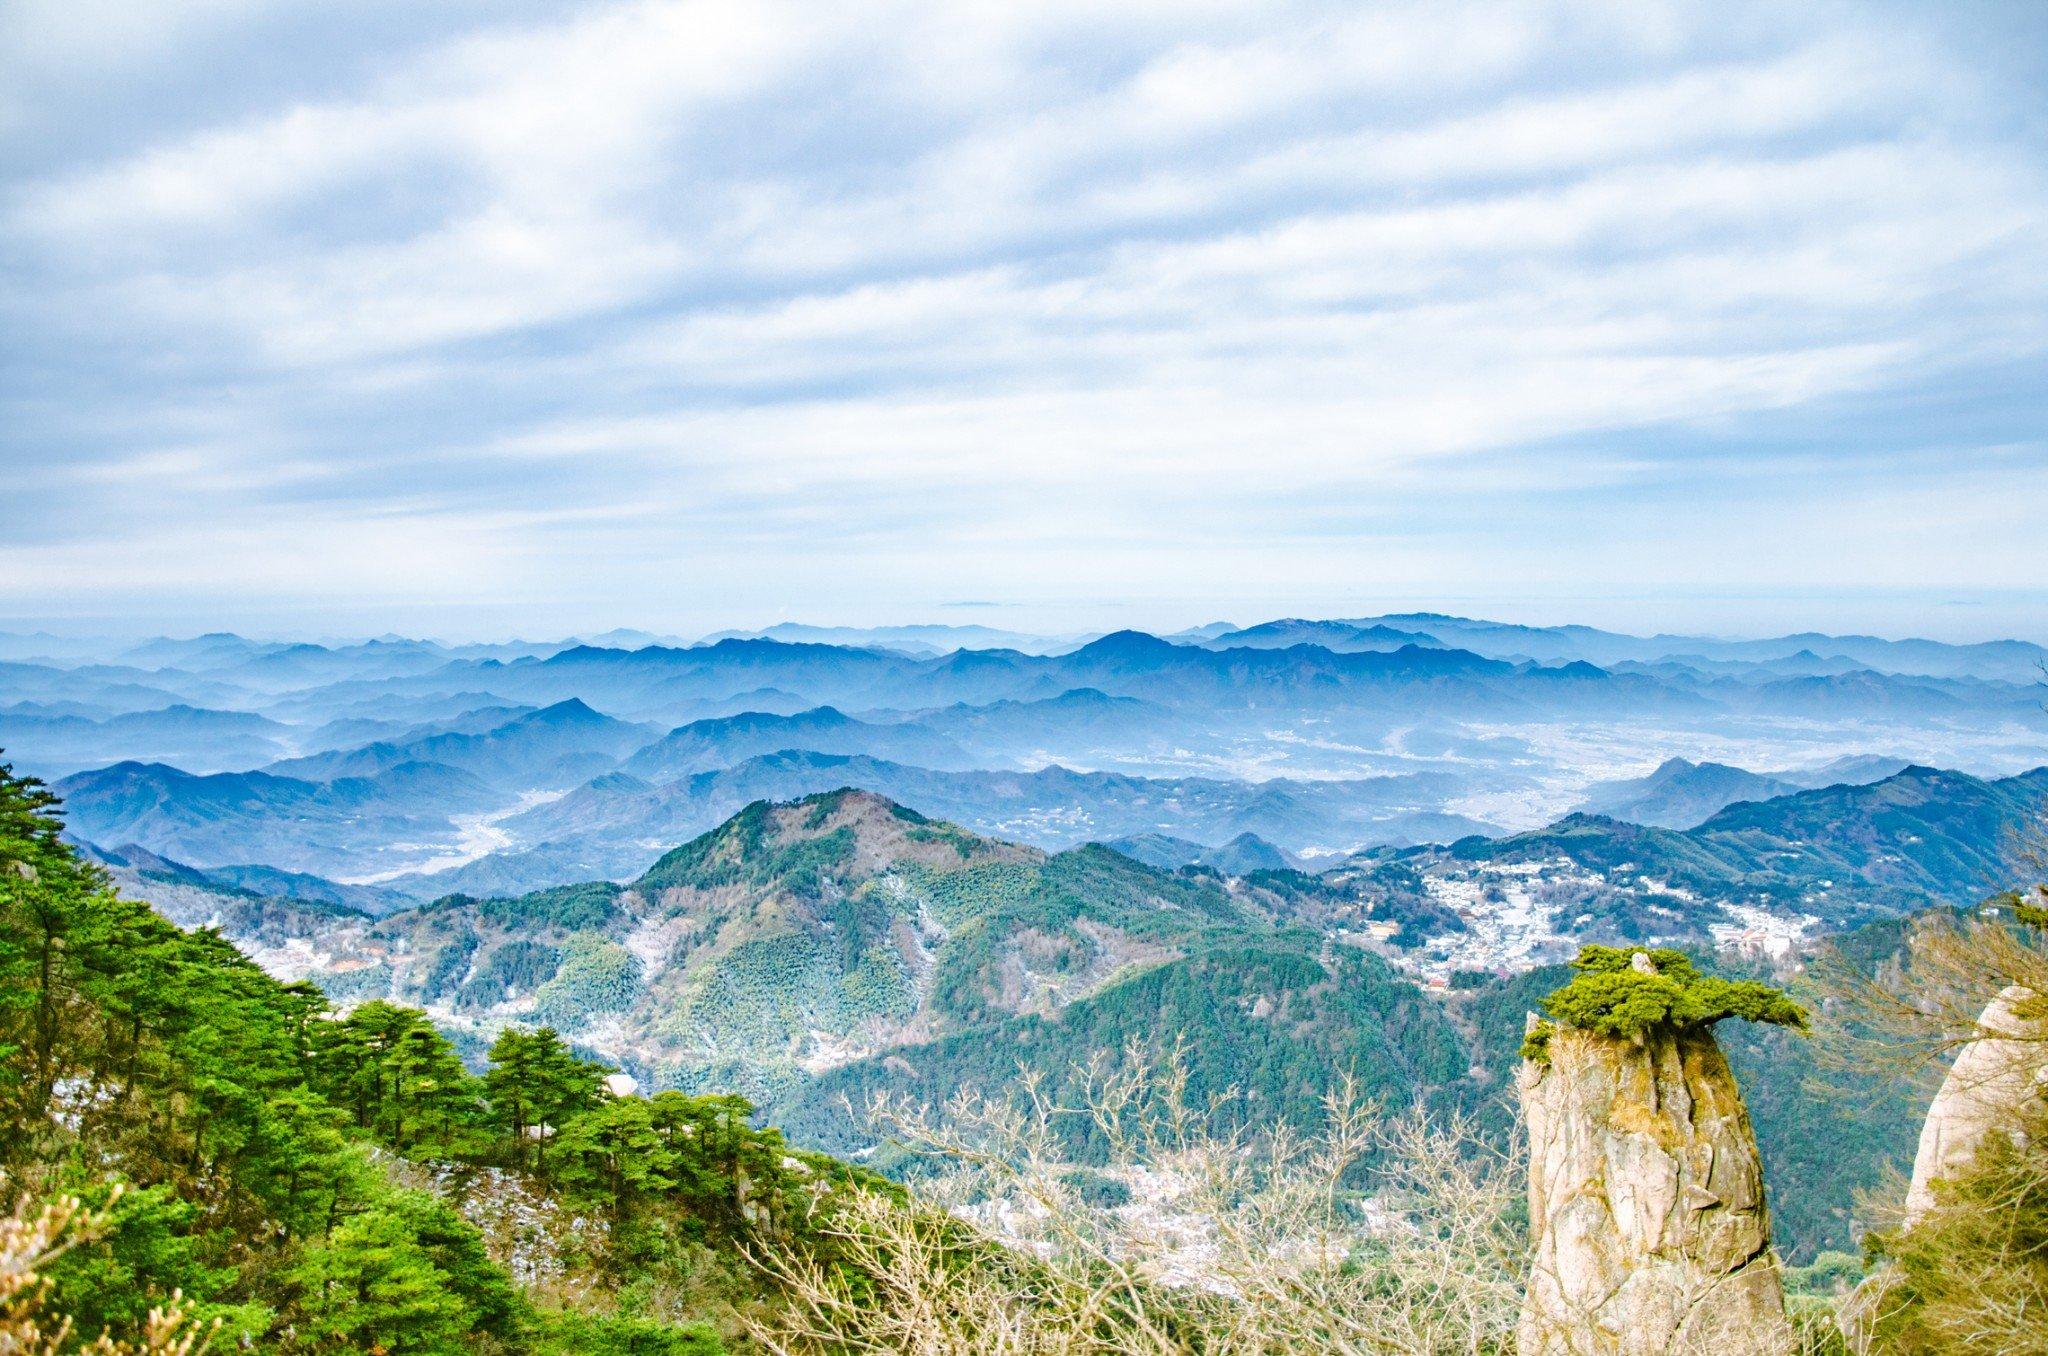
x: 921, y: 277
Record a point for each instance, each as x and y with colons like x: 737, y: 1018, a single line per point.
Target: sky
x: 495, y: 317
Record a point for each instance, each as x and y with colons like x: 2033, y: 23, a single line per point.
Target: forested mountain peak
x: 792, y: 938
x: 572, y: 711
x: 846, y: 835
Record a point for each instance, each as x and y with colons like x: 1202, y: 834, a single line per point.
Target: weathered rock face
x: 1990, y: 1080
x: 1982, y: 1095
x: 1646, y: 1203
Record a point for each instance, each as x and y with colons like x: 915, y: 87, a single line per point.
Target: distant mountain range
x: 343, y: 827
x: 512, y: 766
x: 1335, y: 636
x: 611, y: 826
x: 1843, y: 854
x: 1241, y: 856
x: 554, y: 748
x: 925, y: 639
x: 63, y: 738
x: 2010, y: 660
x: 708, y: 745
x: 1480, y: 664
x: 917, y: 859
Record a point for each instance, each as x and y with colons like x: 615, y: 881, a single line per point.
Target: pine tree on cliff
x: 1646, y: 1200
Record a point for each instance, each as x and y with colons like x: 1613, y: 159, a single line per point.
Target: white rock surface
x: 1990, y: 1080
x: 1980, y: 1096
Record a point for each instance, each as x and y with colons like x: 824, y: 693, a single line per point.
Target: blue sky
x: 476, y: 318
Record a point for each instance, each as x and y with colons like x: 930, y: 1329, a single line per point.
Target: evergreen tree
x: 372, y: 1285
x: 615, y: 1153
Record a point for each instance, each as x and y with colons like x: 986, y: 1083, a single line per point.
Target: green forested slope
x: 1847, y: 854
x: 253, y: 1148
x: 1274, y: 1021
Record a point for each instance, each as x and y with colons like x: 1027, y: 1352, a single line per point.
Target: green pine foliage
x: 1610, y: 996
x: 573, y: 908
x: 740, y: 852
x: 1263, y: 1028
x: 518, y: 966
x: 1827, y: 1135
x: 246, y: 1140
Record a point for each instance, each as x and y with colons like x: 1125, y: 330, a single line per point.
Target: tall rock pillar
x: 1994, y: 1076
x: 1646, y: 1202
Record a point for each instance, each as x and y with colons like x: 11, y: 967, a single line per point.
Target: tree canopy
x: 1615, y: 994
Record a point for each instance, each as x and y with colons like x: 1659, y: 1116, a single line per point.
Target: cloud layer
x: 690, y: 314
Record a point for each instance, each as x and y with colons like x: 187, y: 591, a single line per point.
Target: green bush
x: 585, y: 907
x: 573, y: 1334
x: 520, y: 965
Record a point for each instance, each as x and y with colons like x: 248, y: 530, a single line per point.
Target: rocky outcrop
x: 1991, y: 1079
x: 1646, y: 1202
x: 1999, y: 1068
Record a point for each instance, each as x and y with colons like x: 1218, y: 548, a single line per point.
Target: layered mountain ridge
x: 565, y: 761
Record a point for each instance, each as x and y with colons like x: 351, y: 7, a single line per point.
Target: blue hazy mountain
x: 1400, y: 665
x: 2009, y: 660
x: 656, y: 679
x: 1842, y: 853
x: 1341, y: 637
x: 556, y: 747
x: 927, y: 638
x: 1317, y: 736
x: 343, y: 827
x: 613, y: 821
x: 265, y: 883
x: 1075, y: 722
x: 705, y: 745
x: 1680, y: 793
x: 1856, y: 769
x: 351, y: 732
x: 115, y: 687
x: 59, y: 742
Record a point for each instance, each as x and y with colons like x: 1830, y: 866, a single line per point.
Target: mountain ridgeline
x: 424, y: 769
x: 398, y: 1131
x: 792, y: 938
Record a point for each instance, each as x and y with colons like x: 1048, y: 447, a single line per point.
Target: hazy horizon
x: 1054, y: 623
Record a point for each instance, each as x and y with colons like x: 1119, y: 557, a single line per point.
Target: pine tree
x: 371, y: 1285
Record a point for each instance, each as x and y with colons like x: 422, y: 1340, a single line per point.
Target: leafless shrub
x: 1376, y: 1234
x: 1909, y: 1014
